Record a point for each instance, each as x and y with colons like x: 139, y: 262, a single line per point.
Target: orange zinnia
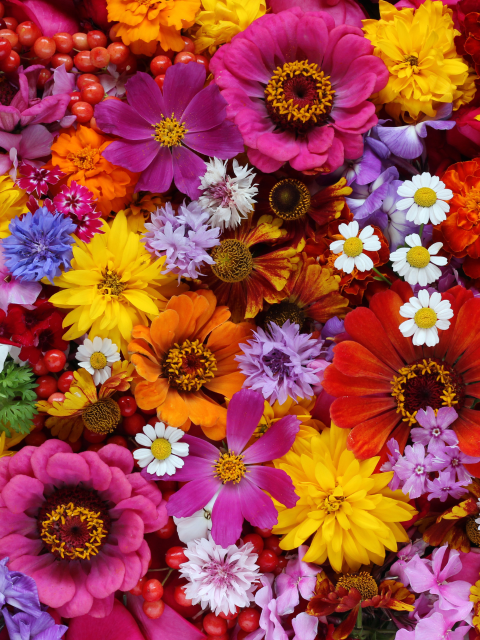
x: 189, y: 348
x: 79, y: 155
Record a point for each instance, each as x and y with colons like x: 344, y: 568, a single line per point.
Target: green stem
x: 381, y: 276
x: 420, y: 233
x: 164, y: 569
x: 359, y: 619
x: 166, y: 577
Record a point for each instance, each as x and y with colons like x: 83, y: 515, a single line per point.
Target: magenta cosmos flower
x: 297, y: 88
x: 163, y: 132
x: 75, y: 523
x: 237, y: 473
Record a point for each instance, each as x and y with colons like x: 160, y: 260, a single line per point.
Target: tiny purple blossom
x: 404, y: 556
x: 445, y: 486
x: 18, y: 590
x: 413, y: 468
x: 393, y: 454
x: 435, y: 427
x: 299, y: 579
x: 36, y: 180
x: 451, y: 459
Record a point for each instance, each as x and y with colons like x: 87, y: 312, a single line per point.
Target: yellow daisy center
x: 98, y: 360
x: 290, y: 199
x: 189, y: 366
x: 169, y: 132
x: 233, y: 261
x: 425, y: 197
x: 111, y: 283
x: 230, y: 468
x: 411, y: 60
x: 102, y: 416
x: 84, y: 159
x: 353, y: 247
x: 362, y: 582
x: 418, y: 257
x: 161, y: 448
x: 425, y: 318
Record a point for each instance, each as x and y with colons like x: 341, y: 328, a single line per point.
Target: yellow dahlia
x: 114, y: 284
x: 349, y: 508
x: 220, y: 20
x: 12, y: 203
x: 301, y: 408
x: 140, y: 210
x: 419, y: 51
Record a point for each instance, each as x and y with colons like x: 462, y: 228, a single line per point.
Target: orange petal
x: 184, y: 306
x: 201, y: 410
x: 141, y: 332
x: 148, y: 370
x: 140, y: 346
x: 151, y: 395
x: 163, y: 331
x: 224, y: 340
x: 226, y: 385
x: 174, y: 410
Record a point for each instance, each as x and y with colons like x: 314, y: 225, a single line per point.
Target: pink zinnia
x: 297, y: 87
x: 75, y: 523
x: 237, y: 473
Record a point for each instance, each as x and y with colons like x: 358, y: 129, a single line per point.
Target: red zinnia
x: 380, y: 379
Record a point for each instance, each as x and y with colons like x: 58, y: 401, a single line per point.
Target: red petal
x: 349, y: 412
x: 465, y: 329
x: 353, y: 359
x: 337, y: 384
x: 467, y: 428
x: 367, y: 439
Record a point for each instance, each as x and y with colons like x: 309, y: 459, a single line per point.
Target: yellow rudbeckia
x: 12, y: 203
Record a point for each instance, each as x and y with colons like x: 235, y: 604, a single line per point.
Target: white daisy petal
x: 144, y: 440
x: 150, y: 432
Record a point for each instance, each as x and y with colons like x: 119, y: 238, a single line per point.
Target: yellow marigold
x: 419, y: 51
x: 349, y: 508
x: 301, y: 408
x: 12, y: 203
x: 114, y: 284
x: 220, y: 20
x: 140, y: 209
x: 145, y: 23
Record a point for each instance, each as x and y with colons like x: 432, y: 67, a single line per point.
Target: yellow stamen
x: 425, y: 197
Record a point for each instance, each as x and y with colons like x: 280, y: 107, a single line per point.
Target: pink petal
x: 100, y: 473
x: 5, y: 475
x: 9, y: 118
x: 102, y: 608
x: 263, y: 162
x: 275, y: 482
x: 313, y: 37
x: 134, y: 155
x: 16, y: 523
x: 206, y: 110
x: 193, y: 497
x: 145, y: 97
x: 305, y: 160
x: 41, y: 456
x: 82, y: 601
x: 245, y: 60
x: 120, y: 119
x: 144, y: 507
x: 244, y: 413
x: 421, y: 579
x: 52, y: 16
x: 158, y: 176
x: 106, y: 574
x: 49, y: 109
x: 119, y: 489
x: 36, y: 142
x: 144, y: 488
x: 279, y: 146
x: 54, y: 582
x: 257, y: 508
x: 187, y: 168
x: 200, y: 448
x: 180, y: 87
x: 319, y: 139
x: 70, y: 468
x: 144, y: 555
x: 227, y: 516
x: 118, y: 625
x: 275, y: 442
x: 171, y: 625
x: 305, y: 626
x: 23, y: 493
x: 129, y: 531
x: 252, y: 124
x: 133, y: 570
x: 20, y: 462
x: 470, y: 561
x: 224, y: 141
x: 16, y: 545
x: 116, y: 456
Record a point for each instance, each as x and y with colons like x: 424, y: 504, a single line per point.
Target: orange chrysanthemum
x: 79, y: 155
x: 188, y: 351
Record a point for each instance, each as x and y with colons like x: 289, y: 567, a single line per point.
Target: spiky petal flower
x: 35, y: 180
x: 76, y: 201
x: 276, y: 363
x: 219, y: 578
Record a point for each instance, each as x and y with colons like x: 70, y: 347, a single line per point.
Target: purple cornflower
x: 451, y: 459
x: 393, y: 454
x: 76, y: 201
x: 163, y: 132
x: 413, y: 468
x: 37, y: 180
x: 299, y: 579
x: 276, y: 363
x: 445, y: 486
x: 18, y: 590
x: 434, y: 428
x: 38, y: 245
x: 404, y: 556
x: 22, y: 626
x: 183, y: 238
x: 237, y: 472
x: 13, y: 290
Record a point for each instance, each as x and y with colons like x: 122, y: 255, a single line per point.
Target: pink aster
x: 77, y: 564
x: 237, y: 472
x: 297, y: 87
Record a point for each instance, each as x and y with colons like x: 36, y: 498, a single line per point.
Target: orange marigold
x: 79, y: 155
x: 189, y: 351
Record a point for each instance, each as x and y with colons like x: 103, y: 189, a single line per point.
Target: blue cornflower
x: 40, y: 243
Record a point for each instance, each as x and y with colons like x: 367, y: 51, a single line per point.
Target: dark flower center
x: 278, y: 362
x: 362, y: 582
x: 233, y: 261
x: 7, y: 92
x: 290, y: 199
x: 189, y: 366
x: 111, y: 284
x: 280, y: 313
x: 102, y: 416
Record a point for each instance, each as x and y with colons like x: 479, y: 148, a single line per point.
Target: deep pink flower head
x: 40, y: 486
x: 342, y: 11
x: 237, y: 473
x: 297, y: 87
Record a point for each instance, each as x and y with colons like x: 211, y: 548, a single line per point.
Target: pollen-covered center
x: 352, y: 247
x: 230, y: 468
x: 362, y: 582
x: 290, y: 199
x: 334, y: 501
x: 84, y: 159
x: 111, y: 283
x: 189, y: 366
x: 161, y: 448
x: 425, y: 318
x: 233, y: 261
x: 169, y: 132
x: 280, y: 313
x: 418, y: 257
x: 98, y: 360
x: 425, y: 197
x: 102, y: 416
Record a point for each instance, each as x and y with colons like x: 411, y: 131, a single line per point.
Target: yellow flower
x: 475, y: 598
x: 349, y: 508
x: 6, y: 443
x: 419, y: 51
x: 12, y: 203
x: 301, y: 408
x: 114, y: 284
x: 140, y: 209
x: 220, y: 20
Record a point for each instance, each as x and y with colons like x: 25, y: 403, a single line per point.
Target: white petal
x: 160, y: 429
x: 180, y: 448
x: 144, y: 440
x: 150, y: 432
x: 337, y: 246
x: 424, y: 297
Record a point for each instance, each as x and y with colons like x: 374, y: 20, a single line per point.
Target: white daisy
x: 352, y: 247
x: 417, y: 264
x: 426, y: 315
x: 229, y: 200
x: 163, y: 453
x: 96, y: 356
x: 424, y: 197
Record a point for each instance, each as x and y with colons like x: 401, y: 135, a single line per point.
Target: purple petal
x: 224, y: 141
x: 181, y: 85
x: 145, y: 97
x: 200, y: 448
x: 157, y: 177
x: 245, y: 411
x: 135, y: 155
x: 63, y: 82
x: 206, y: 110
x: 36, y: 142
x: 47, y: 110
x: 370, y: 167
x: 120, y: 119
x: 9, y: 118
x: 193, y: 497
x: 421, y: 579
x: 195, y: 468
x: 275, y: 442
x: 287, y: 594
x: 402, y: 141
x: 227, y: 516
x: 187, y: 169
x: 275, y: 482
x: 257, y: 508
x: 453, y: 566
x: 442, y: 125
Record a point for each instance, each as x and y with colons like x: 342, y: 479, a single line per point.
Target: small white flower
x: 229, y: 200
x: 197, y: 525
x: 353, y: 246
x: 96, y: 356
x: 163, y: 453
x: 417, y: 264
x: 424, y: 197
x: 426, y: 315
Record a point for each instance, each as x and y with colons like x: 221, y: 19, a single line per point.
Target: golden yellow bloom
x: 349, y: 508
x: 114, y: 284
x: 301, y: 408
x: 12, y: 203
x: 220, y: 20
x: 475, y: 598
x: 140, y: 209
x: 6, y: 443
x: 418, y: 49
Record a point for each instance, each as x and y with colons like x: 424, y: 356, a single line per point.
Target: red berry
x: 282, y: 563
x: 256, y: 540
x: 152, y: 590
x: 96, y: 39
x: 127, y: 405
x: 273, y: 544
x: 2, y: 10
x: 118, y: 52
x: 184, y: 57
x: 44, y: 47
x: 40, y: 368
x: 11, y: 63
x: 9, y: 35
x: 86, y: 78
x: 119, y: 440
x: 153, y: 610
x: 214, y: 625
x: 83, y: 62
x: 64, y: 42
x: 93, y: 93
x: 100, y: 57
x: 133, y: 424
x: 167, y: 530
x: 249, y: 620
x: 65, y: 381
x: 160, y: 80
x: 11, y: 22
x: 224, y: 636
x: 159, y: 65
x: 175, y: 557
x: 55, y: 360
x: 5, y: 49
x: 56, y: 397
x: 129, y: 66
x: 95, y: 447
x: 91, y: 436
x: 112, y: 34
x: 75, y: 97
x: 267, y: 561
x: 229, y: 615
x: 62, y: 58
x: 27, y: 33
x: 180, y: 597
x: 36, y: 438
x: 83, y: 111
x: 138, y: 588
x: 76, y: 446
x: 46, y: 385
x: 80, y: 41
x: 38, y: 421
x: 204, y: 61
x: 43, y: 77
x: 265, y: 533
x: 160, y: 51
x: 149, y: 412
x: 188, y: 43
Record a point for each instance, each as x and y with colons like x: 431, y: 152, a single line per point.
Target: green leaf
x: 17, y: 398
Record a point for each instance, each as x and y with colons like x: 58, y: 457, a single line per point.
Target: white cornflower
x: 197, y: 525
x: 417, y: 264
x: 96, y: 357
x: 229, y: 200
x: 426, y: 315
x: 424, y: 197
x: 352, y: 247
x: 163, y: 453
x: 221, y: 579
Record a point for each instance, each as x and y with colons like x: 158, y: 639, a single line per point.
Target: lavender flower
x: 36, y: 180
x: 18, y: 590
x: 397, y: 570
x: 413, y: 468
x: 434, y: 428
x: 393, y: 454
x: 23, y: 626
x: 271, y: 627
x: 299, y: 579
x: 452, y: 460
x: 445, y: 486
x: 40, y: 243
x: 366, y: 199
x: 276, y: 363
x: 183, y: 238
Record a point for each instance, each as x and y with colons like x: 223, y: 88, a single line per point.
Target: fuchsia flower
x: 76, y: 201
x: 297, y: 87
x: 237, y: 472
x: 35, y: 180
x: 75, y: 523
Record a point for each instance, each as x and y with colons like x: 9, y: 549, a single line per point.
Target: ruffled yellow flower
x: 140, y: 209
x: 113, y: 285
x: 419, y: 51
x: 220, y: 20
x: 349, y: 508
x: 12, y: 203
x: 301, y: 408
x: 6, y: 443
